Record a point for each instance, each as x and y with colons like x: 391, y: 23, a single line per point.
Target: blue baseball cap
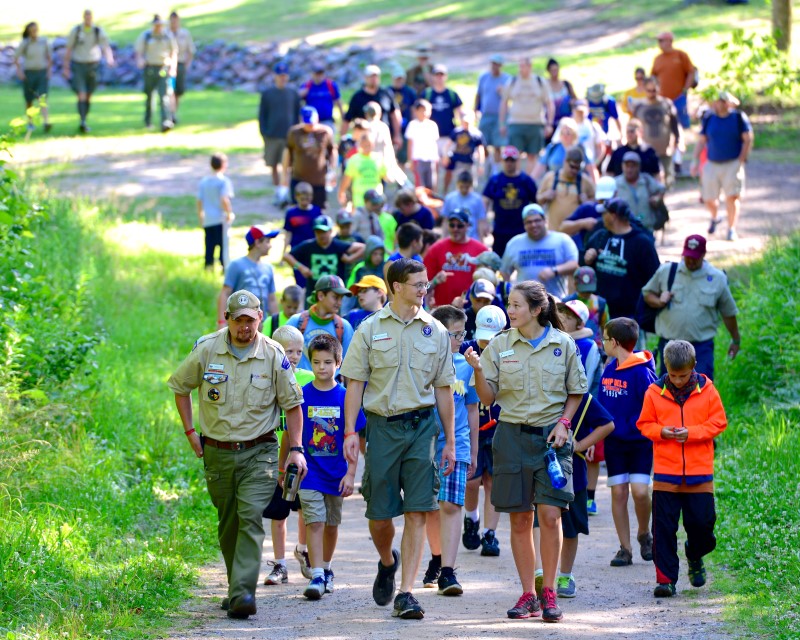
x: 281, y: 68
x: 309, y: 115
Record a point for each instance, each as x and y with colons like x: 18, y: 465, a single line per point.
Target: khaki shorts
x: 320, y: 507
x: 520, y: 479
x: 400, y: 471
x: 273, y: 151
x: 727, y: 177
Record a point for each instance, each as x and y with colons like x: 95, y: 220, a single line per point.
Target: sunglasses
x: 510, y: 159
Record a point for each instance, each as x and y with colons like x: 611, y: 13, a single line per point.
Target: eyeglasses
x: 457, y: 225
x: 457, y: 335
x: 419, y: 286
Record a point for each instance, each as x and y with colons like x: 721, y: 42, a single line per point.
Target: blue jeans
x: 703, y: 350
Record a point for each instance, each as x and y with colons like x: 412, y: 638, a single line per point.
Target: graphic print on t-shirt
x: 323, y: 438
x: 511, y: 197
x: 457, y: 262
x: 324, y: 265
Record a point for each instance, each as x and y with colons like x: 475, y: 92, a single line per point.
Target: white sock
x: 538, y: 572
x: 327, y: 565
x: 475, y: 516
x: 302, y: 547
x: 280, y: 561
x: 318, y: 573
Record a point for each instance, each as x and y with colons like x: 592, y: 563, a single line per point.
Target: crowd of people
x: 491, y: 336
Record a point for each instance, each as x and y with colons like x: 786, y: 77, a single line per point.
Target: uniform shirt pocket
x: 707, y: 297
x: 383, y: 354
x: 422, y: 356
x: 511, y: 376
x: 260, y: 392
x: 554, y: 375
x: 214, y: 388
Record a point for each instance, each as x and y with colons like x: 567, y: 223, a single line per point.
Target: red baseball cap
x: 694, y: 247
x: 510, y: 151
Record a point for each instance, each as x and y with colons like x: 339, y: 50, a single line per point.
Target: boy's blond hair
x: 287, y: 335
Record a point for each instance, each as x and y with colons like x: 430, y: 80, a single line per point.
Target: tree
x: 782, y: 23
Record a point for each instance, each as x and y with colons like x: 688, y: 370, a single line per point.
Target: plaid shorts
x: 453, y: 487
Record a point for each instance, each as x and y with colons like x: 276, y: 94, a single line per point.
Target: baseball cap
x: 585, y: 280
x: 606, y: 188
x: 439, y: 68
x: 727, y: 96
x: 631, y: 156
x: 369, y: 282
x: 243, y: 303
x: 344, y: 217
x: 324, y: 223
x: 694, y: 247
x: 533, y: 209
x: 489, y: 321
x: 372, y: 70
x: 374, y: 197
x: 490, y: 259
x: 619, y: 208
x: 257, y: 232
x: 482, y: 288
x: 497, y: 59
x: 459, y: 214
x: 423, y: 49
x: 318, y: 67
x: 332, y: 283
x: 309, y: 115
x: 578, y: 308
x: 580, y: 103
x: 510, y: 151
x: 281, y: 68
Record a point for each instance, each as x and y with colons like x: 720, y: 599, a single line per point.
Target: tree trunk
x: 782, y: 23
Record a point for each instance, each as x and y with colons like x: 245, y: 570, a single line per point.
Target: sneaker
x: 732, y: 235
x: 384, y: 585
x: 431, y: 574
x: 329, y: 580
x: 565, y: 587
x: 664, y: 590
x: 278, y: 575
x: 315, y: 588
x: 406, y: 606
x: 448, y: 584
x: 527, y: 607
x: 31, y: 127
x: 305, y: 563
x: 489, y: 544
x: 712, y: 227
x: 48, y: 128
x: 623, y: 558
x: 550, y: 610
x: 471, y: 538
x: 83, y: 128
x: 591, y: 507
x: 167, y: 125
x: 538, y: 582
x: 646, y: 546
x: 697, y: 570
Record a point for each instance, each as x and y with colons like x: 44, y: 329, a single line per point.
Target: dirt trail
x: 612, y: 602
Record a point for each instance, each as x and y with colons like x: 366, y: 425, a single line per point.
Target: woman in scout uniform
x: 533, y: 372
x: 34, y: 71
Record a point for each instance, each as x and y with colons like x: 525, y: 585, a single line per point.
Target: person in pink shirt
x: 450, y: 262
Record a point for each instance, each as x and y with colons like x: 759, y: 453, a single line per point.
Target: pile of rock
x: 224, y: 65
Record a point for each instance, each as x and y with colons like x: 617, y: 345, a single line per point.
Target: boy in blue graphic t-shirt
x: 330, y: 477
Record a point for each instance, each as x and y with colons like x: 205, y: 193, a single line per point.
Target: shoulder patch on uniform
x: 285, y: 364
x: 204, y: 338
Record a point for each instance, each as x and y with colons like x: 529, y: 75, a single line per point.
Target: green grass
x: 756, y: 565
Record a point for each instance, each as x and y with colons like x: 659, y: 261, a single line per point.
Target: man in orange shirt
x: 675, y: 73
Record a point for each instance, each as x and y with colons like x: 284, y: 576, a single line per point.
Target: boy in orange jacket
x: 682, y: 414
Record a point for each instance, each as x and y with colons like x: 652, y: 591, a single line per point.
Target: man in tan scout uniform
x: 157, y: 54
x: 86, y: 44
x: 186, y: 51
x: 399, y: 365
x: 244, y: 381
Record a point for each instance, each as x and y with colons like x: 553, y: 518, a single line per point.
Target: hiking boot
x: 83, y: 128
x: 550, y: 610
x: 225, y: 604
x: 448, y: 584
x: 329, y: 580
x: 384, y: 585
x: 471, y: 538
x: 664, y: 590
x: 645, y: 546
x: 565, y: 587
x: 591, y: 507
x: 407, y: 607
x: 623, y: 558
x: 278, y: 575
x: 305, y: 564
x: 489, y: 545
x: 315, y: 588
x: 527, y: 607
x: 712, y: 227
x: 431, y: 574
x: 697, y: 570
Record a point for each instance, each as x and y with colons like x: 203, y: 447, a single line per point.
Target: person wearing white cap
x: 727, y: 134
x: 540, y: 254
x: 371, y: 91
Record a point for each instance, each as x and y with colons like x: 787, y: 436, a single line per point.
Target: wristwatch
x: 298, y: 449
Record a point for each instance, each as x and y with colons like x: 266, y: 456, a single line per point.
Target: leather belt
x: 530, y: 429
x: 239, y: 446
x: 416, y: 414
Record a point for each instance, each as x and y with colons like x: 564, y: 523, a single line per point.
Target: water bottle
x: 557, y: 477
x: 291, y: 483
x: 330, y: 181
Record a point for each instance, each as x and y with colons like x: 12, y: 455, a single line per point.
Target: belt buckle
x: 237, y: 446
x: 415, y: 419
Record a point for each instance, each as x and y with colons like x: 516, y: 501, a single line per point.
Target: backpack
x: 646, y: 315
x: 76, y: 31
x: 577, y: 182
x: 274, y: 320
x: 328, y: 83
x: 428, y: 94
x: 338, y: 324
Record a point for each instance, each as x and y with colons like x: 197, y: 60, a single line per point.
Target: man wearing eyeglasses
x: 399, y: 365
x: 450, y: 260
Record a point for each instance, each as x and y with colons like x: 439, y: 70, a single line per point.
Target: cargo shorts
x: 520, y: 478
x: 401, y: 474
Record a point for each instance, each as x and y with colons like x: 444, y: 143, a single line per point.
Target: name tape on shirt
x: 510, y: 352
x: 380, y: 336
x: 215, y: 368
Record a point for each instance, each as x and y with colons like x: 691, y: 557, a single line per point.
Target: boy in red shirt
x: 682, y: 414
